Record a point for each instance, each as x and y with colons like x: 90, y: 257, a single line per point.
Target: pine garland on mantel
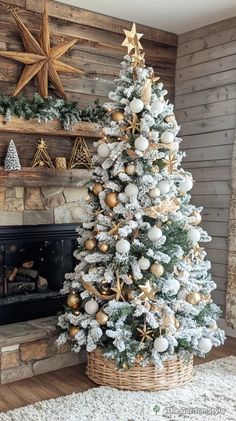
x: 47, y: 109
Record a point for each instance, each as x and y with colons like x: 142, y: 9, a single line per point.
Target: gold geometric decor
x: 42, y: 157
x: 80, y: 155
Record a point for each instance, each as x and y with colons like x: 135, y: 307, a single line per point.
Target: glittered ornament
x: 154, y: 193
x: 97, y: 188
x: 103, y: 247
x: 186, y: 185
x: 197, y: 218
x: 204, y: 345
x: 154, y: 234
x: 91, y: 307
x: 73, y: 330
x: 161, y: 344
x: 90, y: 244
x: 164, y: 187
x: 73, y: 300
x: 101, y: 317
x: 117, y: 116
x: 136, y: 105
x: 194, y: 298
x: 157, y: 269
x: 123, y: 246
x: 144, y: 263
x: 141, y: 143
x: 130, y: 169
x: 131, y: 190
x: 111, y: 199
x: 167, y: 137
x: 193, y: 235
x: 103, y: 150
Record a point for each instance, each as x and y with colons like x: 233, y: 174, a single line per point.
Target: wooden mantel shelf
x: 43, y: 177
x: 51, y: 128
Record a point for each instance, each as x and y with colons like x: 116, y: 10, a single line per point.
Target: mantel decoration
x: 42, y: 157
x: 40, y: 59
x: 80, y: 155
x: 48, y: 109
x: 12, y: 162
x: 140, y: 296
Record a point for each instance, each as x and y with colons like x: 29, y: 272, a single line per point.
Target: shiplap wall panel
x: 206, y: 111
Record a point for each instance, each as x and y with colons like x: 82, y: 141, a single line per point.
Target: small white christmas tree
x: 12, y: 162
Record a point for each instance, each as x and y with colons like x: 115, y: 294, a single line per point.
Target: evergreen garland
x: 47, y: 109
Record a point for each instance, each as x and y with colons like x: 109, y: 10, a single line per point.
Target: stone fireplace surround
x: 30, y: 348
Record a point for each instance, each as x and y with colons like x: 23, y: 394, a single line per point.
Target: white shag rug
x: 211, y: 395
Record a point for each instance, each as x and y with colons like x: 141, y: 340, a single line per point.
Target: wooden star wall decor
x: 40, y: 59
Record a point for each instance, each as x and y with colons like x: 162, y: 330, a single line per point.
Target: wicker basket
x: 175, y: 373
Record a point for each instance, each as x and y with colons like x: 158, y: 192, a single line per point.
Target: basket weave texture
x: 175, y: 373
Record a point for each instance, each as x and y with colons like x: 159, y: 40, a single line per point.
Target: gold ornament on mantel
x: 40, y: 59
x: 80, y: 155
x: 42, y: 157
x: 60, y: 162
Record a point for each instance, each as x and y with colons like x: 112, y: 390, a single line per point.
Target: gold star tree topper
x: 132, y: 43
x: 40, y: 59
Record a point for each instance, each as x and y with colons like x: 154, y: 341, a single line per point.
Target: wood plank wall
x: 206, y: 110
x: 98, y: 52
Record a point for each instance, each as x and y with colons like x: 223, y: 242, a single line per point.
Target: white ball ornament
x: 161, y: 344
x: 77, y: 213
x: 154, y: 193
x: 141, y: 143
x: 204, y: 345
x: 122, y: 246
x: 157, y: 107
x: 103, y: 150
x: 193, y: 235
x: 182, y: 294
x: 136, y: 105
x: 144, y: 263
x: 167, y: 137
x: 91, y: 307
x: 175, y: 147
x: 154, y: 234
x: 131, y: 190
x: 164, y: 187
x: 186, y: 185
x: 172, y: 287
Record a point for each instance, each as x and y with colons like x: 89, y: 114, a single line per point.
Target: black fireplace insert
x: 33, y: 263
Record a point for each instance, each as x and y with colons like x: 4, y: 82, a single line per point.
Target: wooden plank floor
x: 72, y: 379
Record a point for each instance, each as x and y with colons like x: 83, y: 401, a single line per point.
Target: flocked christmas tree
x: 141, y: 290
x: 12, y: 162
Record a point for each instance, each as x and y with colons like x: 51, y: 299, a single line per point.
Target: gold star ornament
x: 118, y: 289
x: 134, y: 125
x: 148, y: 292
x: 40, y: 59
x: 145, y: 333
x: 132, y: 39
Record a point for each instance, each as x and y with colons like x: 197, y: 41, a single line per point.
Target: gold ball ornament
x: 97, y: 188
x: 157, y: 269
x: 73, y: 300
x: 73, y: 331
x: 193, y: 298
x: 177, y: 324
x: 197, y: 218
x: 101, y: 317
x: 117, y: 116
x: 90, y: 244
x: 103, y: 247
x: 139, y: 358
x: 154, y: 193
x: 111, y: 199
x: 76, y: 312
x: 129, y: 294
x: 130, y: 169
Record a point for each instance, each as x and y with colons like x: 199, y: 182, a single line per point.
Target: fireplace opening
x: 33, y: 263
